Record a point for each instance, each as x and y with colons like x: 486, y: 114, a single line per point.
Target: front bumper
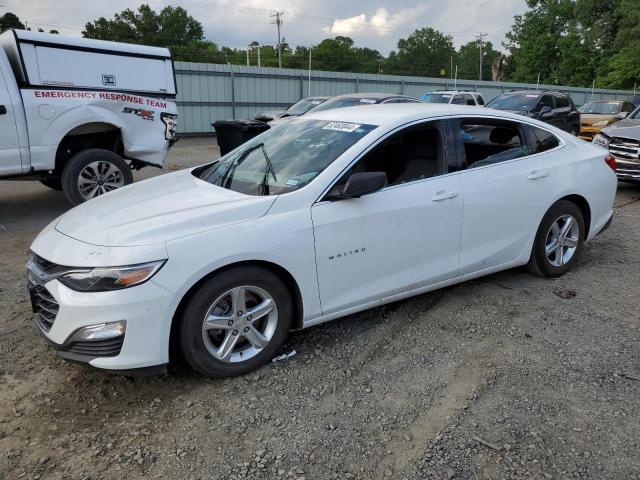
x: 628, y: 170
x: 144, y: 308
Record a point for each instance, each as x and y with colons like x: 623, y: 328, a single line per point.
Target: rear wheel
x: 559, y: 240
x: 94, y: 172
x: 235, y: 322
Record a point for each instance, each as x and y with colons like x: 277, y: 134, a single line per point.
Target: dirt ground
x: 509, y: 376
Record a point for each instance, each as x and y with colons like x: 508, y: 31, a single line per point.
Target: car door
x: 551, y: 117
x: 10, y: 162
x: 509, y: 178
x: 564, y: 112
x: 397, y: 239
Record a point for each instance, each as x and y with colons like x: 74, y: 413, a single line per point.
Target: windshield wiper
x: 229, y: 171
x: 269, y: 164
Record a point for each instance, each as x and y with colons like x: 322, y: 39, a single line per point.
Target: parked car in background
x: 295, y: 110
x: 309, y: 222
x: 455, y: 97
x: 550, y: 106
x: 354, y: 100
x: 79, y: 115
x: 597, y: 114
x: 622, y: 139
x: 635, y: 99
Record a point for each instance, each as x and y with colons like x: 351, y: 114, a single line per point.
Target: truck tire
x: 94, y: 172
x: 53, y: 183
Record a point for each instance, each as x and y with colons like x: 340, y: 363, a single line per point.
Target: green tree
x: 425, y: 52
x: 624, y: 66
x: 468, y: 60
x: 10, y: 20
x: 172, y: 27
x: 535, y: 40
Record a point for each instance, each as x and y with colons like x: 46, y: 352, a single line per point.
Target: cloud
x: 381, y: 23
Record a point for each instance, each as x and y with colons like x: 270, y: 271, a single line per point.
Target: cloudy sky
x: 374, y: 23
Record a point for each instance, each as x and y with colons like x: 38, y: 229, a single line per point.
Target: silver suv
x: 455, y: 97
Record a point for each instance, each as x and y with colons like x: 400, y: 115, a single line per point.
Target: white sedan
x: 327, y: 215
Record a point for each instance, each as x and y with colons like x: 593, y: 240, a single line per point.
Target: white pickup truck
x: 79, y: 115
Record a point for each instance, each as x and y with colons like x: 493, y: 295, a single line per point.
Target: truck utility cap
x: 56, y: 61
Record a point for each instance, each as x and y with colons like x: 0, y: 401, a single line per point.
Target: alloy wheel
x: 240, y: 324
x: 98, y: 178
x: 562, y: 240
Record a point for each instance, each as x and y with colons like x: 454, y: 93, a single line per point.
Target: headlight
x: 601, y: 123
x: 601, y: 140
x: 107, y: 279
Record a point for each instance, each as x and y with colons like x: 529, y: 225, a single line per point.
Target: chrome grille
x: 625, y: 148
x: 45, y: 308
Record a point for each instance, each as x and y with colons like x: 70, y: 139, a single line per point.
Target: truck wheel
x: 53, y: 183
x: 92, y: 173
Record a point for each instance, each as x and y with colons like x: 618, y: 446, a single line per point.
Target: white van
x: 80, y: 114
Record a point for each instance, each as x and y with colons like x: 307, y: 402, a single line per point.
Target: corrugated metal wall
x: 210, y: 92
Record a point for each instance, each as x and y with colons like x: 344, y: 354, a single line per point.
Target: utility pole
x: 278, y: 21
x: 481, y: 41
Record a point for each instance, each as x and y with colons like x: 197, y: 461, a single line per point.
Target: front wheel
x: 94, y: 172
x: 559, y: 240
x: 235, y: 322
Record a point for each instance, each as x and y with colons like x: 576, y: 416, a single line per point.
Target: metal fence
x: 209, y: 92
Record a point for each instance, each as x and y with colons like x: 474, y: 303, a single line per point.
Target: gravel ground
x: 509, y: 376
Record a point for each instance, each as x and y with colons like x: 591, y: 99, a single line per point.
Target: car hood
x: 626, y: 128
x: 588, y: 119
x: 160, y: 209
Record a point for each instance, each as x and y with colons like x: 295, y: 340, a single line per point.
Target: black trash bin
x: 233, y: 133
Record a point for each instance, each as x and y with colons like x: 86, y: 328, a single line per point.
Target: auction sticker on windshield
x: 341, y: 126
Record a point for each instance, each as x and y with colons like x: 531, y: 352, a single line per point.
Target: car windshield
x: 284, y: 158
x: 343, y: 102
x: 600, y: 108
x: 514, y: 101
x: 438, y: 98
x: 304, y: 105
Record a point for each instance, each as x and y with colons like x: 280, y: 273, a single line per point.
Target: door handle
x: 3, y: 110
x: 442, y: 195
x: 537, y: 174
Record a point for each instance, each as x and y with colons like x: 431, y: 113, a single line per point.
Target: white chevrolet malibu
x: 326, y: 215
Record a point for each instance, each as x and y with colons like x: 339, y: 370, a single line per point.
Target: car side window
x: 468, y: 99
x: 628, y: 107
x: 414, y: 153
x: 541, y: 140
x: 480, y: 100
x: 459, y: 100
x: 546, y: 101
x: 488, y: 141
x: 562, y: 101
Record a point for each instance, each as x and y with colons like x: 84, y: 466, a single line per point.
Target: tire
x: 93, y: 172
x: 52, y: 183
x: 203, y: 348
x: 547, y: 260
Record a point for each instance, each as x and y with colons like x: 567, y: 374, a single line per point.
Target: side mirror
x: 359, y: 184
x: 545, y: 111
x: 622, y: 115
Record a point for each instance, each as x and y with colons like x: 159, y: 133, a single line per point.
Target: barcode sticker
x: 341, y: 126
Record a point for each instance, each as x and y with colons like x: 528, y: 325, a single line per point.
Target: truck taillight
x: 611, y: 161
